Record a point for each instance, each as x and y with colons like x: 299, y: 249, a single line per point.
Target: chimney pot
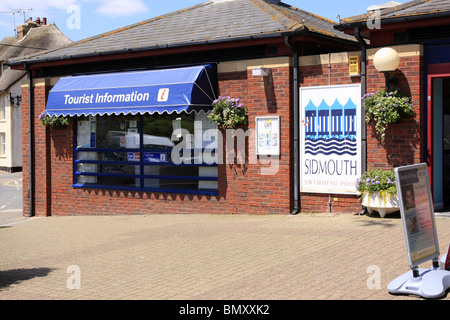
x: 44, y: 21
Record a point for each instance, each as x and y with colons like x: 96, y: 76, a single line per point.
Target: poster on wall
x: 417, y: 213
x: 330, y: 139
x: 268, y: 135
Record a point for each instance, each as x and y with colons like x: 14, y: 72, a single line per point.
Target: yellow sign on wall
x: 354, y: 66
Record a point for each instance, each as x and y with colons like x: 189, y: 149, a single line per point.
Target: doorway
x: 441, y: 142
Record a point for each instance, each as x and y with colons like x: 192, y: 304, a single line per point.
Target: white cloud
x: 121, y: 8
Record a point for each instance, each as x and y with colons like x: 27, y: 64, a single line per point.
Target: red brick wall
x: 322, y: 75
x: 41, y: 153
x: 242, y: 187
x: 404, y: 141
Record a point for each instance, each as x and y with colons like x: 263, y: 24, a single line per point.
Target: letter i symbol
x: 163, y: 94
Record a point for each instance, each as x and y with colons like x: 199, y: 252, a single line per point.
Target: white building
x: 32, y: 37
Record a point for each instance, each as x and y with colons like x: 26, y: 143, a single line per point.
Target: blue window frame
x: 136, y: 153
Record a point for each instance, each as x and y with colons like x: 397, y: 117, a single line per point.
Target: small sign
x: 417, y: 211
x: 268, y: 135
x: 354, y: 66
x: 134, y: 156
x: 155, y: 157
x: 123, y: 142
x: 163, y: 94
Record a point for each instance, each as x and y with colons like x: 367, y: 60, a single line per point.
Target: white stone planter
x: 382, y: 203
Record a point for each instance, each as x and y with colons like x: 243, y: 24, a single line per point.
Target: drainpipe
x: 363, y: 45
x: 296, y: 129
x: 31, y: 136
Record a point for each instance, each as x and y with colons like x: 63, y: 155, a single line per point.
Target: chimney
x: 23, y: 29
x: 274, y: 1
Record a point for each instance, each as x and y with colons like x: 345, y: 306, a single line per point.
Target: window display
x: 135, y: 153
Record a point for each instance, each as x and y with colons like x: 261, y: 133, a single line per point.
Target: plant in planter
x: 228, y: 112
x: 53, y: 121
x: 385, y: 107
x: 378, y: 191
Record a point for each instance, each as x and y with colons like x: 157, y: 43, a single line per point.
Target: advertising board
x: 417, y: 212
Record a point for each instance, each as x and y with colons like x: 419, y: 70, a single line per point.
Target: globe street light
x: 386, y: 60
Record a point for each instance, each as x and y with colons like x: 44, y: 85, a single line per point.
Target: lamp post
x: 386, y: 60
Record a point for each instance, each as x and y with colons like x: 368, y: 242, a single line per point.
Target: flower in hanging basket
x: 53, y: 121
x: 385, y: 107
x: 228, y: 112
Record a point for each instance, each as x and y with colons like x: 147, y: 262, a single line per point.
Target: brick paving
x: 197, y: 257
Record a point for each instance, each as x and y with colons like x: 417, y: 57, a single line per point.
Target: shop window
x: 143, y: 153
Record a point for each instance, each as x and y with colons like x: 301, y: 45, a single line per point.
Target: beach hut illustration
x: 310, y: 119
x: 327, y: 121
x: 350, y: 118
x: 323, y: 119
x: 330, y: 130
x: 336, y: 118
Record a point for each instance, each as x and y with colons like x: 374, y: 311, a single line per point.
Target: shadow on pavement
x: 9, y: 277
x: 375, y: 219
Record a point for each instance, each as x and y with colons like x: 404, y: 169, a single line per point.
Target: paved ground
x: 10, y: 197
x: 199, y: 257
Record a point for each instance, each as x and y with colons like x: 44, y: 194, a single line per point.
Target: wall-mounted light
x: 15, y: 101
x: 260, y: 71
x: 386, y: 60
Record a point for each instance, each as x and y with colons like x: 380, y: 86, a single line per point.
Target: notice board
x: 268, y: 135
x: 417, y: 211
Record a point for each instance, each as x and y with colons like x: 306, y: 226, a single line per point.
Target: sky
x: 80, y: 19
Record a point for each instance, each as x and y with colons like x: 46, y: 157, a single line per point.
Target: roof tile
x: 211, y: 21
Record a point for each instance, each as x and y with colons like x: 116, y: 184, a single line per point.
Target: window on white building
x: 3, y: 100
x: 2, y: 144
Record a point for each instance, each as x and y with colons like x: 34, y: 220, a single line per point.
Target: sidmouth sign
x: 330, y: 138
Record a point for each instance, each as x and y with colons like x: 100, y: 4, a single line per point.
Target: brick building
x: 420, y: 32
x: 102, y: 164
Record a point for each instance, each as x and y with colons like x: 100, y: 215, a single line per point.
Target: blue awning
x: 167, y: 90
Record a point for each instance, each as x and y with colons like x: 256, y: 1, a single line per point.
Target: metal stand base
x: 428, y: 283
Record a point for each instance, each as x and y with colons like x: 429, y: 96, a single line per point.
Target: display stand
x: 421, y: 241
x: 427, y: 283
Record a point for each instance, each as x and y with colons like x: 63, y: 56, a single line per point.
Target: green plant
x: 53, y: 121
x: 377, y: 180
x: 385, y: 107
x: 228, y: 112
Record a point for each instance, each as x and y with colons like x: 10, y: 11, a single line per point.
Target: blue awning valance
x: 167, y: 90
